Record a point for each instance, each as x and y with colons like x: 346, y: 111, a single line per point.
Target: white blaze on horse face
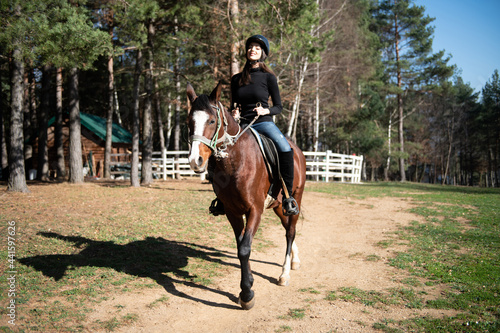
x: 200, y: 119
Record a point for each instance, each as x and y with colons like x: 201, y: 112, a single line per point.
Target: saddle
x: 271, y: 159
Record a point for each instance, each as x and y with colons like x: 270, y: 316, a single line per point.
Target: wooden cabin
x: 93, y: 138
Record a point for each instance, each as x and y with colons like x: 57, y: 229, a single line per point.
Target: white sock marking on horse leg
x: 285, y: 274
x: 295, y: 256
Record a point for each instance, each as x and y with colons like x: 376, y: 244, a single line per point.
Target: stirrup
x: 290, y: 207
x: 216, y: 208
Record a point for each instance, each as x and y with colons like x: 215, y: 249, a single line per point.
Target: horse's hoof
x: 284, y: 281
x: 295, y: 265
x: 247, y: 305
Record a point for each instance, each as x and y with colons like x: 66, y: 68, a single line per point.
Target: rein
x: 250, y: 124
x: 245, y: 129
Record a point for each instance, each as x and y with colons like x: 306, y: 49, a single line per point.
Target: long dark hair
x: 245, y: 73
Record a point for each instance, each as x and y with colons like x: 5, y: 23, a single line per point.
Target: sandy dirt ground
x: 336, y: 238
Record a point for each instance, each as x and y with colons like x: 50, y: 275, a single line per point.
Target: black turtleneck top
x: 262, y: 86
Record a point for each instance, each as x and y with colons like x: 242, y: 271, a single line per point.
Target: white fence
x: 320, y: 166
x: 328, y: 166
x: 173, y: 164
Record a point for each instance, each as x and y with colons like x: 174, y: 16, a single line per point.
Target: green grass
x: 309, y: 290
x: 114, y: 323
x: 456, y: 247
x: 372, y: 257
x: 331, y: 296
x: 295, y: 313
x: 397, y: 296
x: 284, y: 328
x: 157, y: 302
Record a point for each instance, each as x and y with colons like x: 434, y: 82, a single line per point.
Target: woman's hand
x: 261, y: 111
x: 236, y: 114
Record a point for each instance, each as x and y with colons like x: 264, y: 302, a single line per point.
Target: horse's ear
x: 215, y: 95
x: 190, y: 93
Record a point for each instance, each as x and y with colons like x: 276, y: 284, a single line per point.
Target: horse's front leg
x: 244, y: 238
x: 247, y: 296
x: 292, y: 260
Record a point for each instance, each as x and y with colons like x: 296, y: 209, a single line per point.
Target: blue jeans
x: 269, y: 129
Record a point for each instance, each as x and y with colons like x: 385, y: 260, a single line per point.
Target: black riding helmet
x: 263, y: 43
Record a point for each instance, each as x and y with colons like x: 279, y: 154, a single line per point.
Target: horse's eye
x: 212, y: 122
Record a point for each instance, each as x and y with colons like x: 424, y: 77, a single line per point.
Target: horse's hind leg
x: 292, y: 260
x: 295, y: 256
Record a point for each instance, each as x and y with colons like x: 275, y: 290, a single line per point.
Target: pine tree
x: 406, y: 35
x: 52, y: 32
x: 134, y: 172
x: 14, y: 31
x: 71, y: 37
x: 17, y: 178
x: 490, y: 117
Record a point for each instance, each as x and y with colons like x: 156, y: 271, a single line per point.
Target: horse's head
x: 205, y: 126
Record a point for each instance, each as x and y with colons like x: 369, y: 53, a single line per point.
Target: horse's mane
x: 202, y: 103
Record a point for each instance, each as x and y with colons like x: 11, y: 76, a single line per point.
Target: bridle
x: 216, y: 144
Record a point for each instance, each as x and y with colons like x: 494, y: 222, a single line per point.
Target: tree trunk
x: 61, y: 167
x: 177, y: 115
x: 402, y: 172
x: 17, y: 176
x: 292, y: 126
x: 159, y: 116
x: 147, y: 120
x: 4, y: 161
x: 415, y: 179
x: 134, y: 171
x: 177, y: 121
x: 491, y: 163
x: 308, y: 132
x: 169, y: 122
x: 75, y: 131
x: 29, y: 118
x: 450, y: 129
x: 117, y: 105
x: 109, y: 120
x: 43, y: 120
x: 234, y: 18
x: 316, y: 113
x: 389, y: 149
x: 400, y: 106
x: 422, y: 174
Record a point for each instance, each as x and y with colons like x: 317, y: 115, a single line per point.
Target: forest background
x: 356, y: 77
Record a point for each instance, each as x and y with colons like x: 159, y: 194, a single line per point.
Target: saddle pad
x: 269, y: 153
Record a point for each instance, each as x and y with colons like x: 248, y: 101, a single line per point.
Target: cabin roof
x: 97, y: 125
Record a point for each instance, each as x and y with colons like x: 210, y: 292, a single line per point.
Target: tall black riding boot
x: 290, y: 206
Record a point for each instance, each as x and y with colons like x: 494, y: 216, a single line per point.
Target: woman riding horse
x: 250, y: 92
x: 241, y: 181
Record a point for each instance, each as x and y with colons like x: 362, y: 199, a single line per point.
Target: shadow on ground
x: 157, y: 258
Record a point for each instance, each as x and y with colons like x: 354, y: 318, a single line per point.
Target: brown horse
x: 241, y: 180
